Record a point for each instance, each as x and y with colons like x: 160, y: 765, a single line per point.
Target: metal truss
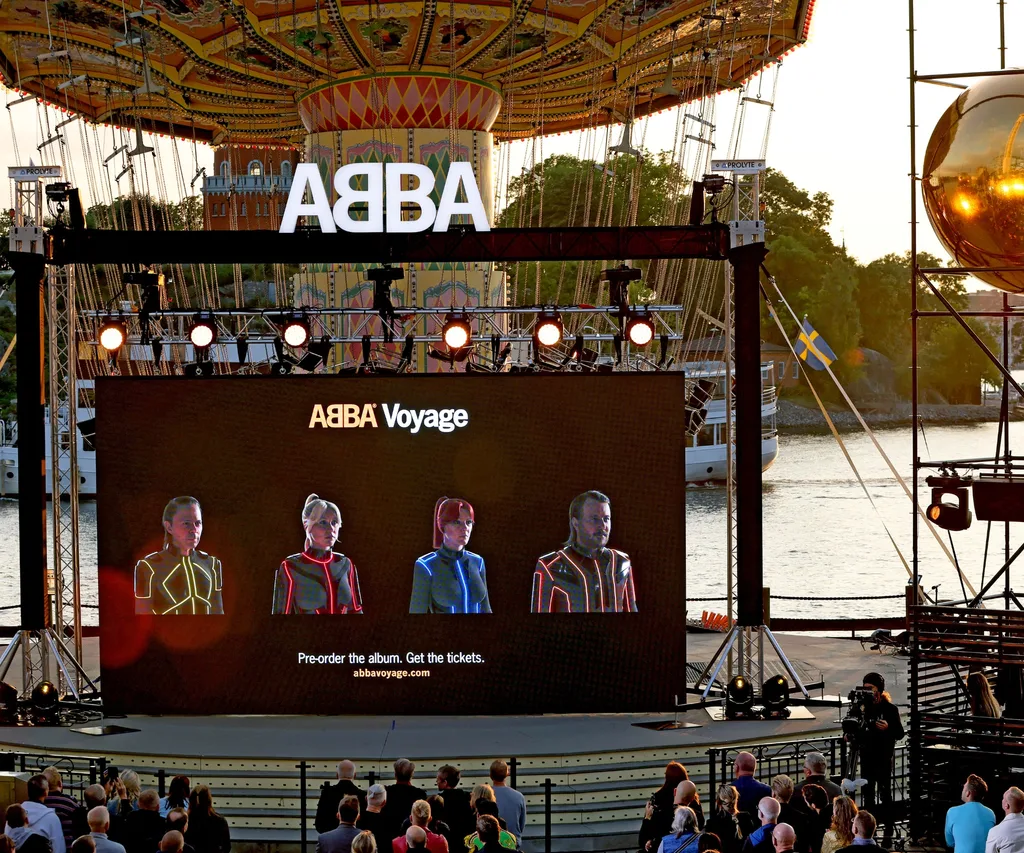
x: 64, y: 475
x: 745, y: 226
x: 510, y: 325
x: 505, y: 245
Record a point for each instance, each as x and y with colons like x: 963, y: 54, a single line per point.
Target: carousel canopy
x: 240, y: 71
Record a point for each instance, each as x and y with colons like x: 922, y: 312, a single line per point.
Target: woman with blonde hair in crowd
x: 124, y: 794
x: 844, y: 810
x: 364, y: 843
x: 724, y: 820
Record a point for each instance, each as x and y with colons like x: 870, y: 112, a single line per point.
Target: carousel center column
x: 403, y: 117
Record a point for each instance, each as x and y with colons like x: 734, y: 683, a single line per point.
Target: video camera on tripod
x: 862, y: 715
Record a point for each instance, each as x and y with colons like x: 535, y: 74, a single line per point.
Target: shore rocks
x: 792, y: 418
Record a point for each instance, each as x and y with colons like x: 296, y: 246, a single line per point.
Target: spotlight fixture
x: 949, y: 507
x: 382, y: 278
x: 283, y: 365
x: 713, y: 183
x: 242, y: 346
x: 618, y: 279
x: 547, y: 331
x: 203, y: 333
x: 456, y: 332
x: 113, y: 334
x: 739, y: 698
x: 775, y: 697
x: 640, y: 329
x: 44, y: 702
x: 295, y: 328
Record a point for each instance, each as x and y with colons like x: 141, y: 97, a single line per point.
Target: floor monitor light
x: 739, y: 698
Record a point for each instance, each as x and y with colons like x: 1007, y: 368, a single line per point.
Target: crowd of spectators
x: 117, y: 817
x: 812, y: 816
x: 749, y: 815
x: 402, y: 817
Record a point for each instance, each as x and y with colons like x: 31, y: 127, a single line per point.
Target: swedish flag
x: 811, y: 347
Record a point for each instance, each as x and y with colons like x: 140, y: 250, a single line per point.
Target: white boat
x: 705, y: 451
x: 86, y: 453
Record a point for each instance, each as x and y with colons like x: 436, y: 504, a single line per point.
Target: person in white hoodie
x: 21, y: 834
x: 41, y: 818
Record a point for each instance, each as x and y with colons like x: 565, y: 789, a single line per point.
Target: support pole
x: 30, y: 276
x: 746, y: 261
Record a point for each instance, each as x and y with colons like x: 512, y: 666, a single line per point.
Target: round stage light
x: 775, y: 695
x: 44, y: 697
x: 112, y: 335
x: 640, y: 330
x: 739, y: 697
x: 295, y: 330
x: 456, y: 331
x: 204, y: 330
x: 548, y: 330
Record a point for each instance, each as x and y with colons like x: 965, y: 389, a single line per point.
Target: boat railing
x: 768, y: 395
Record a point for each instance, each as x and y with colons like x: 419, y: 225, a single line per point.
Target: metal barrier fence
x: 788, y: 758
x: 773, y: 759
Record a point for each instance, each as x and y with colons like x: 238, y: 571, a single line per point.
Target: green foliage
x: 562, y: 185
x: 9, y: 373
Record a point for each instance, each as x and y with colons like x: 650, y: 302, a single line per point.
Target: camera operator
x: 881, y: 731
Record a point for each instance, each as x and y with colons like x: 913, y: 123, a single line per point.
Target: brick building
x: 249, y: 187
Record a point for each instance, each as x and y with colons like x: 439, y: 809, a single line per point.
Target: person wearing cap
x: 450, y: 579
x: 878, y: 743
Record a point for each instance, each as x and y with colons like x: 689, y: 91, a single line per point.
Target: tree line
x: 859, y: 309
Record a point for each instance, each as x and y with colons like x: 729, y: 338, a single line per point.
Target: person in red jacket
x: 318, y: 580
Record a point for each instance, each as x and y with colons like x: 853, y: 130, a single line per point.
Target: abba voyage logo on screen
x: 395, y: 416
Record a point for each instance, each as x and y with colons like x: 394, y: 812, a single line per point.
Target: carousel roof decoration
x: 269, y: 71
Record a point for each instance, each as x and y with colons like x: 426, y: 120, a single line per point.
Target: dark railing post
x: 92, y: 771
x: 512, y: 765
x: 161, y: 782
x: 302, y: 805
x: 547, y: 815
x: 372, y: 778
x: 712, y: 776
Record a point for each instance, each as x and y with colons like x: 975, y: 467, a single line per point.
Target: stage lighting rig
x: 149, y: 284
x: 456, y: 332
x: 775, y: 698
x: 113, y: 334
x: 242, y: 347
x: 949, y: 508
x: 713, y: 185
x: 618, y: 279
x: 547, y: 331
x: 295, y: 328
x: 382, y: 278
x: 203, y: 333
x: 317, y: 353
x: 283, y: 365
x: 45, y: 702
x: 408, y: 353
x: 640, y: 328
x: 739, y: 698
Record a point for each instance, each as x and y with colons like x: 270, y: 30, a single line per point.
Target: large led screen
x: 411, y: 544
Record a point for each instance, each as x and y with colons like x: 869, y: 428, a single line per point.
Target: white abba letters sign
x: 384, y: 181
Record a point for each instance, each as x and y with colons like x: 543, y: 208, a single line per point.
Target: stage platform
x: 604, y: 767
